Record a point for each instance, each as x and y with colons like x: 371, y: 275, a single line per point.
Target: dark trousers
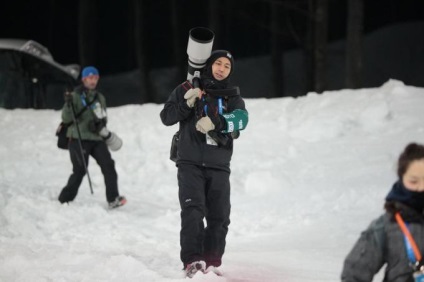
x: 99, y: 151
x: 203, y: 193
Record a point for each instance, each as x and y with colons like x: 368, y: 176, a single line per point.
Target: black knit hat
x: 218, y: 54
x: 208, y: 80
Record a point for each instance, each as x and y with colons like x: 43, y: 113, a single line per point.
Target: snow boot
x: 214, y: 269
x: 119, y: 201
x: 192, y: 268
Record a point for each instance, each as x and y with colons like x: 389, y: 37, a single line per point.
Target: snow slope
x: 308, y: 175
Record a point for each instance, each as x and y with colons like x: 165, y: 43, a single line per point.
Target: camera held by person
x: 111, y: 139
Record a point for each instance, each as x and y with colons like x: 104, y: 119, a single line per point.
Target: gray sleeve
x: 367, y: 256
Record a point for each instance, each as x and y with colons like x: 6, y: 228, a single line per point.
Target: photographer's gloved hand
x: 97, y: 125
x: 191, y: 96
x: 68, y: 97
x: 105, y: 133
x: 235, y: 134
x: 205, y: 125
x: 217, y: 119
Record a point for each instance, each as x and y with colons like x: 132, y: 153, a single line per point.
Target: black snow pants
x: 99, y: 151
x: 203, y: 193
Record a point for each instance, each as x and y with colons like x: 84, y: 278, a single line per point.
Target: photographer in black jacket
x: 210, y: 118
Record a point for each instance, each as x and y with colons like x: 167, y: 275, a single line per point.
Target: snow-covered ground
x: 308, y: 175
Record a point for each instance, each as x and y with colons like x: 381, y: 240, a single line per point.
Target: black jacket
x: 192, y: 147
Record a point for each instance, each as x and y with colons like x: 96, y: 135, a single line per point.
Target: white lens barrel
x: 114, y: 142
x: 199, y: 48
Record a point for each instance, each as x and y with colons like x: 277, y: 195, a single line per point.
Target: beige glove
x: 205, y: 125
x: 191, y: 96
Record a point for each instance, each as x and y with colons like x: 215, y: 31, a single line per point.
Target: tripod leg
x: 81, y: 149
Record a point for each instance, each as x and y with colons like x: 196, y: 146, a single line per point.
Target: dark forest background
x: 140, y: 37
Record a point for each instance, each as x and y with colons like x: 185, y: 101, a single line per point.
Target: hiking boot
x: 119, y: 201
x: 192, y: 268
x: 214, y: 269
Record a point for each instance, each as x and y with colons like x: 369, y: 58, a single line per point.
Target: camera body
x: 199, y: 49
x: 111, y: 139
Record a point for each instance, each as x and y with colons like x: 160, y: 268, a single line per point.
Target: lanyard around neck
x: 84, y: 101
x: 414, y: 253
x: 220, y: 111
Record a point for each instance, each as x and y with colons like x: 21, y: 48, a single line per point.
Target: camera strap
x: 84, y: 103
x: 412, y: 250
x: 187, y: 86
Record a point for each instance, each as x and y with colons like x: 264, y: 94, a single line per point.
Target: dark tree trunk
x: 53, y: 23
x: 179, y: 52
x: 320, y: 45
x: 130, y: 31
x: 146, y: 94
x: 227, y: 20
x: 277, y: 62
x: 87, y: 32
x: 309, y: 48
x: 215, y: 22
x: 316, y: 45
x: 354, y: 44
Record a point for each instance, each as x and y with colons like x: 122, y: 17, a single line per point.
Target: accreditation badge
x: 419, y: 276
x: 210, y: 140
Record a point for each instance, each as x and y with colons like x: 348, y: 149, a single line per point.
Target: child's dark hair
x: 412, y: 152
